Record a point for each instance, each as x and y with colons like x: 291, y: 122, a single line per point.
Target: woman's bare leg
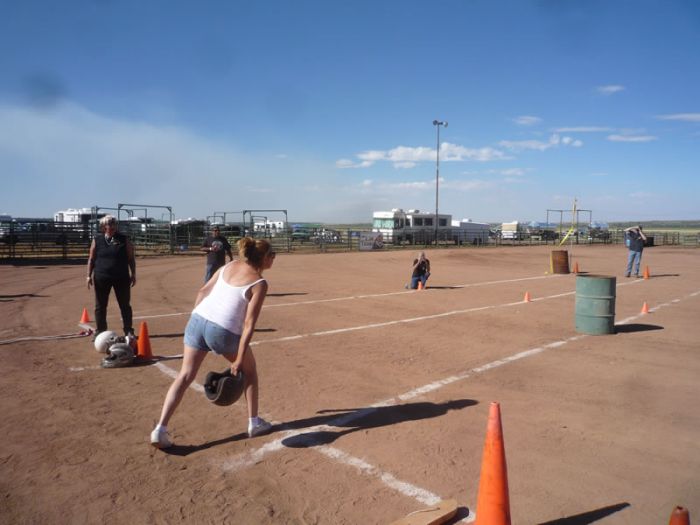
x: 191, y: 361
x: 251, y: 380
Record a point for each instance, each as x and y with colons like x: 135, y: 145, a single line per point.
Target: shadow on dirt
x: 186, y: 450
x: 165, y: 336
x: 589, y: 517
x: 636, y: 327
x: 12, y: 297
x: 356, y: 419
x: 286, y: 294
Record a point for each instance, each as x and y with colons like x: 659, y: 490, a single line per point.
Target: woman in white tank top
x: 223, y: 321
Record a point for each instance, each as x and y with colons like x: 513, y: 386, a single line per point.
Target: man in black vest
x: 111, y: 264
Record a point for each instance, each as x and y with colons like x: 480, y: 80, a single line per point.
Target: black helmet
x: 223, y: 388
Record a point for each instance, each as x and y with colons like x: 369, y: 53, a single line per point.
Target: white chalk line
x: 415, y: 319
x: 421, y: 495
x: 368, y: 296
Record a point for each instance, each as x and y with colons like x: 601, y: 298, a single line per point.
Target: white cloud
x: 631, y: 138
x: 610, y: 89
x: 683, y: 117
x: 641, y: 195
x: 583, y: 129
x: 554, y: 141
x: 513, y: 172
x: 527, y: 120
x: 409, y: 157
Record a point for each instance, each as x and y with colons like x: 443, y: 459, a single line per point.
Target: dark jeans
x: 211, y: 270
x: 122, y: 289
x: 422, y: 278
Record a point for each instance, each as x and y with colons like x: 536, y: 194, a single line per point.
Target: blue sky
x: 325, y: 108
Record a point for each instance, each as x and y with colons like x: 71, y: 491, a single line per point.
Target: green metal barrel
x: 595, y: 304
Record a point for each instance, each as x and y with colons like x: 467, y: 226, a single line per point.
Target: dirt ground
x: 379, y: 395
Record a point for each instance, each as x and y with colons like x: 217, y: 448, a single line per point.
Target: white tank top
x: 226, y: 305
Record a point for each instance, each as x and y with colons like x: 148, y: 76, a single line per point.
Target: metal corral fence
x: 43, y: 239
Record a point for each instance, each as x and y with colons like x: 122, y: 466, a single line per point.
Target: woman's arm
x: 91, y: 263
x: 259, y: 291
x: 132, y: 261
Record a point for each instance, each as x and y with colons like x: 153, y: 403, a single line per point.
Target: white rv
x: 416, y: 227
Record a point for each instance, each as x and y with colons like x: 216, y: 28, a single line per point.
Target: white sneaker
x: 160, y: 439
x: 263, y: 427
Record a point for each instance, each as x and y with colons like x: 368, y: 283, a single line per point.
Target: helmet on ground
x: 104, y: 340
x: 224, y: 388
x: 119, y: 355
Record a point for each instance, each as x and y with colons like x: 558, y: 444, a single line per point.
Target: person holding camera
x: 634, y: 240
x: 420, y: 271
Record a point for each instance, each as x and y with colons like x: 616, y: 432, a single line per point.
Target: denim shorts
x: 201, y: 334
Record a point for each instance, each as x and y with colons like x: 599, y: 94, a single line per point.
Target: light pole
x: 437, y: 124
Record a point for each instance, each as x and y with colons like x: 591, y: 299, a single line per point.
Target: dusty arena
x: 379, y: 395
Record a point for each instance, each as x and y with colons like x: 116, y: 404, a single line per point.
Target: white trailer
x: 471, y: 232
x: 513, y: 231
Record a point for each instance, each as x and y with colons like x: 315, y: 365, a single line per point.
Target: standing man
x: 216, y: 247
x: 634, y: 240
x: 111, y: 264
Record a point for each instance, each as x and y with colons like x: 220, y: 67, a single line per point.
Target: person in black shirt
x: 421, y: 271
x: 111, y: 264
x: 634, y: 240
x: 216, y: 246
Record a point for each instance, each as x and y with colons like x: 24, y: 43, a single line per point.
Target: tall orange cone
x: 646, y: 272
x: 420, y: 285
x: 85, y: 318
x: 679, y: 516
x: 645, y: 308
x: 576, y: 267
x: 493, y: 503
x: 144, y: 343
x: 526, y: 299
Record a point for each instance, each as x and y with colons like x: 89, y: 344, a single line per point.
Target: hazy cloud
x: 527, y: 120
x: 610, y: 90
x: 631, y: 138
x: 683, y: 117
x: 583, y: 129
x: 409, y: 157
x: 554, y: 141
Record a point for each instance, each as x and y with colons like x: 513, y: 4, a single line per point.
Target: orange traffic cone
x: 576, y: 267
x: 646, y: 272
x: 493, y: 503
x: 144, y: 343
x: 420, y: 285
x: 526, y: 299
x: 85, y: 318
x: 680, y: 516
x: 645, y: 308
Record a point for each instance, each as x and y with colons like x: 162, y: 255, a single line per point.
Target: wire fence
x: 29, y: 240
